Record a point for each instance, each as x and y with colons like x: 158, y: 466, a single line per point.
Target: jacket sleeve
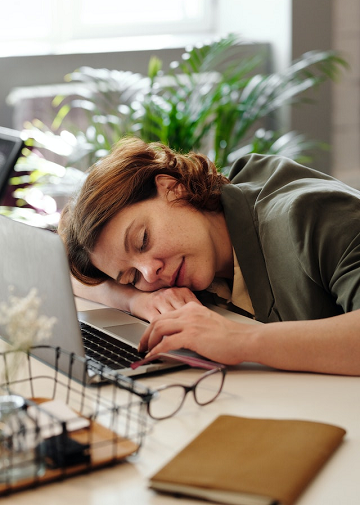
x: 324, y: 228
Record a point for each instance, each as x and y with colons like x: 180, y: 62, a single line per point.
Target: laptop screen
x: 11, y: 145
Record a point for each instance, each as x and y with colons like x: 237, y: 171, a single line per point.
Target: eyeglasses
x: 168, y: 400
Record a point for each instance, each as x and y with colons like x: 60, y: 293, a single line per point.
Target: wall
x: 255, y: 20
x: 51, y: 69
x: 345, y: 134
x: 292, y: 27
x: 312, y: 29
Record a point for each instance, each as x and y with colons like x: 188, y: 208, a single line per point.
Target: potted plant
x: 213, y: 101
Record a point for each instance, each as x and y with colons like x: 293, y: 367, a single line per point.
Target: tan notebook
x: 247, y: 461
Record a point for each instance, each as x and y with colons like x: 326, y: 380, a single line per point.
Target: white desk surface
x: 250, y: 390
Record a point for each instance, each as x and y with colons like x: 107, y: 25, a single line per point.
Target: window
x: 46, y: 25
x: 20, y: 21
x: 139, y: 17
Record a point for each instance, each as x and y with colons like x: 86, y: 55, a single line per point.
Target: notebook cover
x: 261, y: 460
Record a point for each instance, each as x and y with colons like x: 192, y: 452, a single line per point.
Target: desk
x: 249, y: 390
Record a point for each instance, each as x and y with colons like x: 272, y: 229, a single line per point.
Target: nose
x: 151, y: 269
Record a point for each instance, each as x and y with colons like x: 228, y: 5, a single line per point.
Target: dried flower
x: 22, y: 324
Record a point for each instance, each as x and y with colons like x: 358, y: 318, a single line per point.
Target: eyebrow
x: 127, y: 248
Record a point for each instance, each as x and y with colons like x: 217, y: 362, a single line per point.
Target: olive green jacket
x: 296, y: 233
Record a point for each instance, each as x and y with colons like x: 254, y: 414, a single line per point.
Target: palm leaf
x: 266, y: 94
x: 212, y: 100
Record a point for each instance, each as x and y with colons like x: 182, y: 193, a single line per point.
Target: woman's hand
x: 199, y: 329
x: 143, y: 304
x: 148, y: 305
x: 329, y: 345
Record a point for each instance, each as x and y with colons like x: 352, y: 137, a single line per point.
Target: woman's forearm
x: 108, y: 293
x: 329, y: 345
x: 323, y: 346
x: 143, y: 304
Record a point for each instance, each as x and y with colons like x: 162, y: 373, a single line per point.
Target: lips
x: 175, y: 276
x: 180, y: 274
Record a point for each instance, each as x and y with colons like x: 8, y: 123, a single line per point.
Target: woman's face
x: 157, y: 243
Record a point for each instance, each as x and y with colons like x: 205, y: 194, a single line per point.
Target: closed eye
x: 145, y: 241
x: 143, y: 247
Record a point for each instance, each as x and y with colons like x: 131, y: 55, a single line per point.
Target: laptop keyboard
x: 108, y: 350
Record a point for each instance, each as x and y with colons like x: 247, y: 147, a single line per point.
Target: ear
x: 168, y: 187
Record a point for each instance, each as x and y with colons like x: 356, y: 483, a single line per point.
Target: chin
x: 200, y: 285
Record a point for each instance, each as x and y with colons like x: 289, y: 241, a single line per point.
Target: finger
x: 167, y: 322
x: 164, y: 306
x: 143, y: 344
x: 172, y: 343
x: 152, y: 313
x: 169, y: 305
x: 163, y: 325
x: 144, y: 341
x: 175, y: 299
x: 168, y: 330
x: 188, y: 296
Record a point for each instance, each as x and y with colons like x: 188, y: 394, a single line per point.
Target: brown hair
x: 124, y: 177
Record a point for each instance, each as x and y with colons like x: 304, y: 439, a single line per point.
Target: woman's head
x: 123, y: 178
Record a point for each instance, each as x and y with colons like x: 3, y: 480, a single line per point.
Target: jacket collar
x: 244, y: 236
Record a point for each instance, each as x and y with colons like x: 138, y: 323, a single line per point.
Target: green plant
x: 212, y: 101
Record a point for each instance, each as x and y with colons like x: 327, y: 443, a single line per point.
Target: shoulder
x: 260, y: 168
x: 268, y: 178
x: 295, y: 199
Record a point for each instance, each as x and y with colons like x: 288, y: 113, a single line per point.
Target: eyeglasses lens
x: 166, y: 402
x: 208, y: 388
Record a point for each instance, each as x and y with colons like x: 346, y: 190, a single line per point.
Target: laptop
x: 11, y: 145
x: 35, y: 258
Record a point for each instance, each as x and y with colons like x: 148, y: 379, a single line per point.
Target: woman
x: 277, y: 240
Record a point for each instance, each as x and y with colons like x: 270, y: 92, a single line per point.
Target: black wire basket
x: 53, y: 426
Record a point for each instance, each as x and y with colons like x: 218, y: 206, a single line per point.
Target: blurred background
x: 44, y: 41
